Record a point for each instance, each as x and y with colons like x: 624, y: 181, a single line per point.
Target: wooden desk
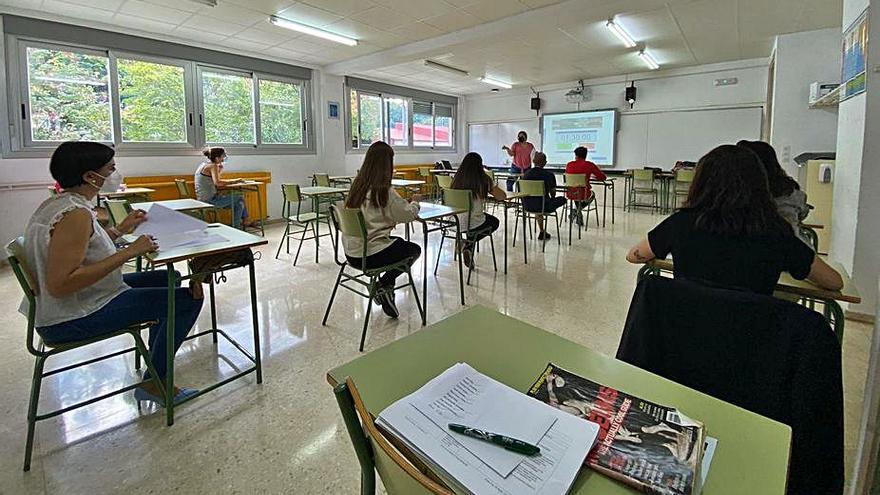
x: 432, y: 212
x: 319, y: 194
x: 752, y: 455
x: 804, y: 289
x: 234, y: 239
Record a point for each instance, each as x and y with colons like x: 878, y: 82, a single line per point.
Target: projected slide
x: 595, y: 130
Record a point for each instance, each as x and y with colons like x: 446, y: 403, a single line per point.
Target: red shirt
x: 522, y: 155
x: 579, y: 166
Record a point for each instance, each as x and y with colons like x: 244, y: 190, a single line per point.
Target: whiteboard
x: 660, y: 139
x: 488, y: 138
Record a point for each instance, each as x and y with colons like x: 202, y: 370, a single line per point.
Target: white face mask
x: 111, y: 182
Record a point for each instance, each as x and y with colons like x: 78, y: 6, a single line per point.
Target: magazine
x: 653, y: 448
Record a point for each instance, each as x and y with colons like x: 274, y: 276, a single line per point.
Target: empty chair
x: 681, y: 185
x: 643, y: 184
x: 772, y: 357
x: 183, y: 189
x: 444, y: 181
x: 118, y: 210
x: 322, y: 180
x: 308, y: 221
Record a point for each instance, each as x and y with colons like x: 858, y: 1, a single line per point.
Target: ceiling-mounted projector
x: 580, y: 94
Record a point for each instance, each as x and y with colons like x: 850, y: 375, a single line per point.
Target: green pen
x: 508, y: 443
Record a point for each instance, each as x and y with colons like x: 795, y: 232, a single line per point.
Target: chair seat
x: 303, y: 217
x: 66, y: 346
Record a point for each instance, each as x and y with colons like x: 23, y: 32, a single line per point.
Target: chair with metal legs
x: 462, y: 199
x: 643, y: 183
x: 309, y: 221
x: 350, y: 222
x: 681, y: 185
x: 533, y: 189
x: 183, y: 189
x: 42, y: 351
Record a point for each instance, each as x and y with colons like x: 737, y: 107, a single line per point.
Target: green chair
x: 183, y: 189
x: 444, y: 181
x: 532, y: 189
x: 309, y: 221
x: 462, y: 199
x: 118, y: 210
x: 322, y: 180
x: 643, y: 183
x: 574, y: 211
x: 682, y: 185
x: 350, y: 222
x: 402, y: 473
x: 430, y: 186
x: 42, y: 351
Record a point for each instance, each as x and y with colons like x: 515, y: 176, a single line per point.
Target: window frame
x: 202, y: 136
x: 17, y: 142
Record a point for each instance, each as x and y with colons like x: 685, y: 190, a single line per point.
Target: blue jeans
x: 146, y: 300
x: 512, y: 180
x: 234, y: 202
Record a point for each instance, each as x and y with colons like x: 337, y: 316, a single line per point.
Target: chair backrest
x: 575, y: 180
x: 182, y: 189
x: 751, y: 350
x: 15, y: 255
x: 684, y: 175
x: 291, y: 193
x: 398, y: 470
x: 322, y: 180
x: 462, y: 199
x: 444, y: 181
x: 491, y: 174
x: 642, y: 175
x: 531, y: 187
x: 118, y: 209
x: 424, y: 171
x: 350, y: 221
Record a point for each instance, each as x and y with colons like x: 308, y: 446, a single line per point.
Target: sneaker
x: 467, y: 256
x: 543, y: 236
x: 386, y: 299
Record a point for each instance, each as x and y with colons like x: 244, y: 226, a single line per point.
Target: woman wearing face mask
x: 522, y: 152
x: 82, y: 292
x: 208, y: 183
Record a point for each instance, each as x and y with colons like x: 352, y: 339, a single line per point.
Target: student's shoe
x: 141, y: 395
x: 543, y: 236
x: 386, y: 299
x: 467, y: 256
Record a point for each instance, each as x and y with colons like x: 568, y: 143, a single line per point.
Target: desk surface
x: 319, y: 190
x: 174, y: 204
x: 752, y: 454
x: 131, y: 191
x: 235, y: 239
x: 803, y: 288
x: 247, y: 183
x: 406, y: 183
x: 431, y: 211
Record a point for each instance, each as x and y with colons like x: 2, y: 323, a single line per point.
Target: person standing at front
x: 522, y: 152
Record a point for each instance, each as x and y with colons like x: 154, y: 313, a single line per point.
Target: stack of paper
x: 463, y: 395
x: 173, y: 229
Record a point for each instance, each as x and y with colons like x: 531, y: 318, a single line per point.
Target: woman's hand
x: 505, y: 148
x: 131, y: 222
x: 143, y: 245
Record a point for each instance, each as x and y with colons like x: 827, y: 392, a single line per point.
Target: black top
x: 538, y: 173
x: 752, y: 263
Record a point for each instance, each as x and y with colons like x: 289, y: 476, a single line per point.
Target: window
x: 281, y: 120
x: 229, y: 108
x: 68, y: 95
x: 152, y: 102
x: 401, y: 121
x: 143, y: 103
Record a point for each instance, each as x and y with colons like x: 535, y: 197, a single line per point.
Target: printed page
x: 173, y: 229
x: 463, y: 395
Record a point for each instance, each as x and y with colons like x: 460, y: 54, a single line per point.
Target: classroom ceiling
x: 524, y: 42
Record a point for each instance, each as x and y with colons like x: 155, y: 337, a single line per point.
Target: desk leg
x: 425, y: 273
x: 459, y: 244
x: 169, y: 346
x: 260, y: 208
x: 504, y: 206
x: 834, y: 311
x: 213, y: 309
x: 604, y: 204
x: 256, y: 322
x: 525, y: 234
x: 315, y: 206
x: 612, y: 203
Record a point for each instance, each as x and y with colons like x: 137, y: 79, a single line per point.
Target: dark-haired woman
x: 207, y: 181
x: 790, y: 201
x: 383, y: 209
x: 729, y: 232
x: 472, y: 176
x: 82, y: 292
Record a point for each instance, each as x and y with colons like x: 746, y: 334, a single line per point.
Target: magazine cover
x: 648, y: 446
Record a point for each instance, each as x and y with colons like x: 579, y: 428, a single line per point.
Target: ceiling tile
x: 384, y: 18
x: 416, y: 31
x: 154, y: 12
x: 344, y: 8
x: 142, y: 24
x: 490, y: 10
x: 25, y: 4
x: 244, y: 44
x: 233, y: 13
x: 452, y: 21
x: 202, y: 35
x: 78, y: 11
x: 419, y: 9
x: 259, y: 36
x: 265, y: 6
x: 176, y: 4
x: 710, y: 29
x: 95, y: 4
x: 365, y: 33
x: 307, y: 14
x: 211, y: 25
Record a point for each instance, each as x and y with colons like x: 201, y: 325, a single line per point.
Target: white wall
x: 802, y: 58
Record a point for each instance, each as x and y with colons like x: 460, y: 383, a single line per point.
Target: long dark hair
x: 373, y: 178
x: 730, y: 195
x: 472, y: 176
x: 780, y: 183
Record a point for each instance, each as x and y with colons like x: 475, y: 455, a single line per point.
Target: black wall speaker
x: 536, y: 103
x: 631, y: 94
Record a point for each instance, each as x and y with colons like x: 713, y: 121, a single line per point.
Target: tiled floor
x: 286, y: 436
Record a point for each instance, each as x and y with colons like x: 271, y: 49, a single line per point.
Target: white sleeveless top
x: 53, y: 310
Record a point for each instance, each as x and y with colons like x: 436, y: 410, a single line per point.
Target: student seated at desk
x: 472, y: 176
x: 82, y: 292
x: 729, y: 231
x: 208, y: 182
x: 582, y: 195
x: 790, y: 201
x: 383, y: 209
x: 550, y: 202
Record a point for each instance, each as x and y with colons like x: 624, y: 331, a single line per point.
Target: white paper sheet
x: 552, y: 472
x: 173, y: 229
x: 708, y: 453
x: 464, y: 396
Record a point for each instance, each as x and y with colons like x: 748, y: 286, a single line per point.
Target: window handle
x: 190, y: 119
x: 201, y: 120
x: 23, y: 112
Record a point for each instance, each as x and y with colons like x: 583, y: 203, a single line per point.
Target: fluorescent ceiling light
x: 313, y: 31
x: 447, y: 68
x: 496, y: 82
x: 621, y: 33
x: 209, y: 3
x: 649, y: 60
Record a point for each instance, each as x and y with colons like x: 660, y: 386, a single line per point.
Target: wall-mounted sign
x: 855, y: 54
x: 333, y: 109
